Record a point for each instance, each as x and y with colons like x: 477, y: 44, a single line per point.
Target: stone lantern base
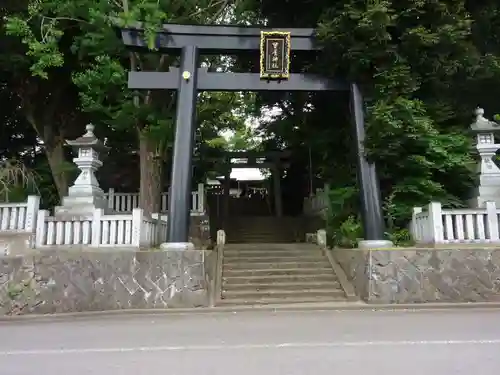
x: 82, y: 206
x: 485, y: 194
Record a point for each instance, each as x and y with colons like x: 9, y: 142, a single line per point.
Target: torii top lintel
x: 212, y: 39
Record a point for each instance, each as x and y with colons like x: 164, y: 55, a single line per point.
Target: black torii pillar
x: 373, y: 220
x: 179, y: 204
x: 193, y: 39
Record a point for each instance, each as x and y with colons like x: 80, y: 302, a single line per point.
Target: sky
x: 252, y: 174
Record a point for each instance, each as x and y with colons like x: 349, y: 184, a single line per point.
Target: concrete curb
x: 350, y: 306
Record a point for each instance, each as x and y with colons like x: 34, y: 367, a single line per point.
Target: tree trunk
x: 56, y: 159
x: 53, y: 140
x: 151, y: 175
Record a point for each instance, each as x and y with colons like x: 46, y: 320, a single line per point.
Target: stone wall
x: 423, y: 275
x: 68, y: 281
x: 12, y: 243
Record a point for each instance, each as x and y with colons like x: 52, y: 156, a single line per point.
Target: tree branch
x: 125, y: 6
x: 65, y: 19
x: 223, y: 3
x: 223, y: 7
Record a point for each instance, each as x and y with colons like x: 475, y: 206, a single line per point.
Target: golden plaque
x: 274, y: 55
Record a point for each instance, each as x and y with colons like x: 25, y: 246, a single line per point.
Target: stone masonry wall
x: 69, y: 281
x: 423, y: 275
x: 354, y: 263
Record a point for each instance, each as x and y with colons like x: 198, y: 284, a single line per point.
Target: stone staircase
x: 264, y: 229
x: 271, y: 273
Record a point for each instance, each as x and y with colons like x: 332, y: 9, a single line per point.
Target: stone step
x: 260, y: 253
x: 251, y: 240
x: 277, y: 265
x: 278, y: 272
x: 264, y: 219
x: 267, y: 255
x: 286, y: 246
x: 259, y: 239
x: 274, y: 259
x: 279, y: 301
x: 260, y: 223
x: 260, y: 229
x: 263, y: 224
x: 267, y: 279
x: 264, y: 237
x: 283, y: 293
x: 266, y: 227
x: 277, y: 285
x: 255, y: 240
x: 258, y: 233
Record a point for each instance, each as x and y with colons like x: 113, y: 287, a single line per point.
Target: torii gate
x: 275, y: 48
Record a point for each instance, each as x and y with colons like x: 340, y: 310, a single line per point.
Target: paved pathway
x: 258, y: 343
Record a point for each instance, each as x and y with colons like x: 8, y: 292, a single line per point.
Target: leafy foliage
x: 102, y: 63
x: 424, y: 66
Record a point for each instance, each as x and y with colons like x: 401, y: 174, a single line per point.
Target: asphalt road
x: 258, y: 343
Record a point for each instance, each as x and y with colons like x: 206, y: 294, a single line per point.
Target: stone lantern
x: 85, y: 196
x: 489, y: 173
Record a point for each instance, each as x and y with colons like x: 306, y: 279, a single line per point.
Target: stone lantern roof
x: 88, y: 140
x: 482, y: 124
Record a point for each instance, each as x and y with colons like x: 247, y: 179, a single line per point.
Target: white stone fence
x: 317, y: 204
x: 132, y: 229
x: 100, y: 230
x: 433, y: 225
x: 19, y: 217
x: 126, y: 202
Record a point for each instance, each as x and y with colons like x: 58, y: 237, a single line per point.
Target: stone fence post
x: 435, y: 223
x: 492, y: 221
x: 111, y: 199
x: 137, y: 215
x: 32, y: 207
x: 96, y: 227
x: 415, y: 233
x: 41, y: 228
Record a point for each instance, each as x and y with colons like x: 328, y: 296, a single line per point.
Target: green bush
x: 344, y: 226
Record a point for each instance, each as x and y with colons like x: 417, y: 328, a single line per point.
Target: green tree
x: 423, y: 67
x: 101, y: 76
x: 49, y: 106
x: 410, y: 56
